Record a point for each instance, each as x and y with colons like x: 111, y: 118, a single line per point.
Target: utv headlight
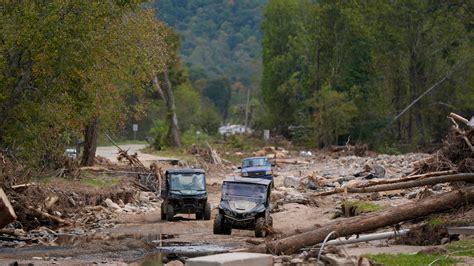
x: 245, y: 174
x: 269, y: 172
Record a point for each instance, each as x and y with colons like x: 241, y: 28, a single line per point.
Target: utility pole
x: 247, y: 110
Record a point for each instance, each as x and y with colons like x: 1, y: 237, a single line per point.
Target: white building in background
x: 233, y: 129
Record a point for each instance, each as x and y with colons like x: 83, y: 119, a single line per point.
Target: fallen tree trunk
x: 360, y: 224
x: 290, y: 161
x: 7, y: 214
x: 415, y: 183
x: 402, y: 185
x: 407, y: 178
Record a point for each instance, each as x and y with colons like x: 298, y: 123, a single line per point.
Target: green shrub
x: 409, y: 259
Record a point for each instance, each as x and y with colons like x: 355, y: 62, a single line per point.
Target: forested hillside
x: 386, y: 73
x: 221, y: 47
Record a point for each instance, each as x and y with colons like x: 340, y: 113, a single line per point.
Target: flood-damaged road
x: 138, y: 235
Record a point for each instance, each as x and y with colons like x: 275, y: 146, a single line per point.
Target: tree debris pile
x: 457, y: 152
x: 43, y: 205
x: 208, y: 153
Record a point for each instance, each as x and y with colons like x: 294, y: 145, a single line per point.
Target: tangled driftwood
x: 457, y: 153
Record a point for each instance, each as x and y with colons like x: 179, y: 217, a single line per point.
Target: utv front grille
x: 188, y: 201
x: 234, y: 220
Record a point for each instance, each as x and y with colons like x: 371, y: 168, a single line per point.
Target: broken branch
x: 49, y: 216
x: 459, y: 118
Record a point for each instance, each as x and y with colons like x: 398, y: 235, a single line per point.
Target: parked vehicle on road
x: 245, y: 204
x: 185, y: 192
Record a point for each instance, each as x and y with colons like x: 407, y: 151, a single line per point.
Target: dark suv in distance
x: 185, y: 192
x: 245, y: 204
x: 257, y: 167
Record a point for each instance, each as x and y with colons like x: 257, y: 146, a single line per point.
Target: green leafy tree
x: 402, y: 64
x: 333, y: 115
x: 68, y: 68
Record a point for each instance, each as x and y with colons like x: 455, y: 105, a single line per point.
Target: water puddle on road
x: 178, y: 250
x: 160, y: 248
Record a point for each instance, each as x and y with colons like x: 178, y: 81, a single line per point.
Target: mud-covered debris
x: 292, y: 181
x: 271, y: 152
x: 306, y: 153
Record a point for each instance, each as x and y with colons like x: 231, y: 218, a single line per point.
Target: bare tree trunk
x: 318, y: 68
x: 360, y: 224
x: 167, y: 95
x: 90, y: 142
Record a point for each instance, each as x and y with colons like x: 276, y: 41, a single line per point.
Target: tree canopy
x: 66, y: 64
x: 375, y: 59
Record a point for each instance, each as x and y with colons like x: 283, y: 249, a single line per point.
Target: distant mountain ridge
x: 220, y: 38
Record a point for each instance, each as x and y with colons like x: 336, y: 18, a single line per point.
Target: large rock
x: 111, y: 205
x: 292, y: 181
x: 335, y: 260
x: 174, y: 263
x: 231, y: 259
x: 379, y: 171
x: 277, y: 195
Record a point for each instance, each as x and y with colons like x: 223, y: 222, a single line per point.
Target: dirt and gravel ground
x: 139, y: 236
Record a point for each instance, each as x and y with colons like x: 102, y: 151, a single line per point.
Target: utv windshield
x: 255, y: 162
x: 242, y: 190
x: 187, y: 181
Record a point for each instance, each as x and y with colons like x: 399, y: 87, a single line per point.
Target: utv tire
x: 163, y: 212
x: 218, y: 223
x: 169, y: 213
x: 219, y: 227
x: 207, y: 211
x: 260, y: 230
x: 226, y: 230
x: 198, y: 215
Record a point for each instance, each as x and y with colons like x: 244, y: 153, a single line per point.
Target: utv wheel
x: 198, y: 215
x: 226, y: 230
x: 163, y: 212
x: 207, y: 211
x: 218, y: 222
x: 260, y: 230
x: 169, y: 213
